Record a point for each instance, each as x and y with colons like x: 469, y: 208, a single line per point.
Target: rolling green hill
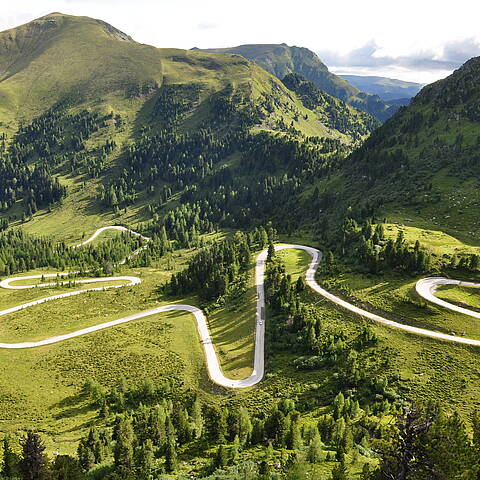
x: 82, y: 61
x: 281, y: 59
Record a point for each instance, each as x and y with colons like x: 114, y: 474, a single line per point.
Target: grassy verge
x: 468, y: 297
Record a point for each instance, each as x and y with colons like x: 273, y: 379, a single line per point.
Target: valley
x: 232, y: 263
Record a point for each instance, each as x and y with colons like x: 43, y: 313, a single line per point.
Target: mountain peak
x: 59, y: 19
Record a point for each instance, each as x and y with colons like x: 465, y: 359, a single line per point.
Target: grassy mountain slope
x: 283, y: 59
x: 58, y: 56
x: 330, y: 110
x: 76, y: 95
x: 84, y: 61
x: 423, y: 162
x: 388, y: 89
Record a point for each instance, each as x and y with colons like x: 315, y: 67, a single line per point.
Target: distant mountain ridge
x: 388, y: 89
x: 281, y: 59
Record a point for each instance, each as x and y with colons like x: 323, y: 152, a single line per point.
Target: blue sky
x: 420, y: 40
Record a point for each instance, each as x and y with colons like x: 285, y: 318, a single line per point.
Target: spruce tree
x: 10, y: 460
x: 33, y: 462
x: 67, y: 468
x: 145, y: 460
x: 340, y: 472
x: 221, y: 458
x: 123, y: 451
x: 170, y: 457
x: 294, y: 436
x: 315, y: 453
x: 270, y: 253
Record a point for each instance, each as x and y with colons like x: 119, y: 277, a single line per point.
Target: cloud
x: 452, y: 55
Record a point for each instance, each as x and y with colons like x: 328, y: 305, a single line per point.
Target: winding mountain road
x: 424, y: 288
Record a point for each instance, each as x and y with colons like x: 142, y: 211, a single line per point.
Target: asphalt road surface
x: 425, y: 288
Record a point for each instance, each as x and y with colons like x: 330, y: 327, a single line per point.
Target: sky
x: 414, y: 40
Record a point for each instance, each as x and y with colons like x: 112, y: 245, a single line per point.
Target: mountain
x: 389, y: 90
x: 281, y: 59
x: 82, y: 103
x: 83, y: 61
x: 330, y: 110
x: 423, y: 163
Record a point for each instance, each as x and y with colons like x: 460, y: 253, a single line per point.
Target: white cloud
x: 426, y: 65
x: 396, y: 29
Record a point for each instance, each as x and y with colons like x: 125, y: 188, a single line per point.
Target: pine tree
x: 170, y: 457
x: 448, y: 448
x: 10, y: 460
x: 184, y: 433
x: 221, y: 458
x: 300, y: 284
x: 270, y: 253
x: 235, y: 451
x: 339, y: 431
x: 294, y: 436
x: 67, y: 468
x: 123, y: 451
x: 197, y: 418
x: 244, y: 426
x: 33, y: 462
x: 340, y: 472
x: 145, y: 460
x: 338, y: 405
x: 216, y: 424
x: 296, y: 469
x: 262, y: 237
x: 315, y: 453
x: 277, y: 426
x: 86, y: 457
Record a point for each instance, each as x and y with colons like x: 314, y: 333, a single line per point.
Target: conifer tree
x: 315, y: 453
x: 10, y: 466
x: 33, y: 463
x: 170, y: 457
x: 123, y: 451
x: 145, y: 460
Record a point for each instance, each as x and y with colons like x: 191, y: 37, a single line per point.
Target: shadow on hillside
x: 71, y: 406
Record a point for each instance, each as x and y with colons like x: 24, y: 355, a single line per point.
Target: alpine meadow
x: 234, y: 263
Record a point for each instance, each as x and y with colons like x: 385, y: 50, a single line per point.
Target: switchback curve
x: 213, y: 365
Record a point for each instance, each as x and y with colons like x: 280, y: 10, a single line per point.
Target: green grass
x: 296, y: 262
x: 466, y: 296
x: 428, y: 368
x: 40, y: 386
x: 436, y: 241
x: 395, y: 295
x: 455, y: 213
x: 232, y: 328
